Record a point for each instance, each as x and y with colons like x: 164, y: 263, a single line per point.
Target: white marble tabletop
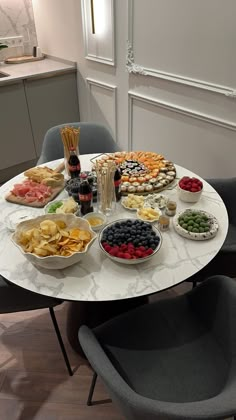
x: 98, y: 278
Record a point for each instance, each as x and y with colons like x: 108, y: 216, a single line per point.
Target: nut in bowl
x: 96, y: 220
x: 148, y: 214
x: 130, y: 241
x: 189, y: 189
x: 54, y: 241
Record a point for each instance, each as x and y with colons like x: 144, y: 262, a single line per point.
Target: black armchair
x: 171, y: 359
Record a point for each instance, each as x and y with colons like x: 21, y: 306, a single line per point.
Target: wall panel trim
x: 173, y: 108
x: 104, y: 60
x: 105, y: 86
x: 135, y: 68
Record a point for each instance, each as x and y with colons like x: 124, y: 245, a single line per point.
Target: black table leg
x: 95, y: 313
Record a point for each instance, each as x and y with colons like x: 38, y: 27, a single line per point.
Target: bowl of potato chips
x: 54, y: 241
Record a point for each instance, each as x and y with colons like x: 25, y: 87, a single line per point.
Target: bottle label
x: 74, y: 168
x: 85, y: 197
x: 117, y: 183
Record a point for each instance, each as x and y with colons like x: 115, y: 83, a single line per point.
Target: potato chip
x: 60, y: 224
x: 84, y: 235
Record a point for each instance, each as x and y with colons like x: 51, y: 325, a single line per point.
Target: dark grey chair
x: 17, y: 299
x: 225, y: 261
x: 171, y: 359
x: 94, y: 138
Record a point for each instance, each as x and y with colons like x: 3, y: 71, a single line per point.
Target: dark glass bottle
x: 85, y: 197
x: 74, y: 164
x: 117, y: 184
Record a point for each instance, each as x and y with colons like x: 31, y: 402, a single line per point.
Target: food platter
x: 210, y: 221
x: 141, y: 172
x: 40, y: 186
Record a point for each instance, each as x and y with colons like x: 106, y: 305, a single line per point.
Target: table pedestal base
x: 93, y: 314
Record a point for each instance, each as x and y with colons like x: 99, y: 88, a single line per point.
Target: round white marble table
x: 97, y: 278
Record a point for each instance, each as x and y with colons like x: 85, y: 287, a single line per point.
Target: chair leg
x: 93, y: 383
x: 55, y: 324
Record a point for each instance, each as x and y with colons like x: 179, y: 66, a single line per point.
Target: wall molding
x: 134, y: 68
x: 104, y: 60
x: 229, y: 125
x: 105, y: 86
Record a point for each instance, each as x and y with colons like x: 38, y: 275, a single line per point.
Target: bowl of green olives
x: 198, y: 225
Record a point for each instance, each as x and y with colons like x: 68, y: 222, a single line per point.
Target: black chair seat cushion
x: 16, y: 299
x: 172, y: 359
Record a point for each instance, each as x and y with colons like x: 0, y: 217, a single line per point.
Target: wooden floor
x: 34, y: 383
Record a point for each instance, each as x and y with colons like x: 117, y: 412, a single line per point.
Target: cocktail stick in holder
x: 70, y: 138
x: 105, y: 186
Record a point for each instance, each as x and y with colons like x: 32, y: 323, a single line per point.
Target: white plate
x: 17, y: 216
x: 214, y: 226
x: 128, y: 208
x: 46, y: 208
x: 155, y: 201
x: 157, y: 210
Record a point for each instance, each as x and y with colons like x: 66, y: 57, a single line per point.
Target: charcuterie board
x: 38, y: 204
x: 40, y: 186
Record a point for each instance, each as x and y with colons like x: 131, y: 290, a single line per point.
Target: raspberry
x: 113, y: 252
x: 120, y: 254
x: 127, y: 256
x: 107, y: 248
x: 142, y: 249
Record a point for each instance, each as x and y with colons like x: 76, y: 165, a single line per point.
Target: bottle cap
x: 83, y: 176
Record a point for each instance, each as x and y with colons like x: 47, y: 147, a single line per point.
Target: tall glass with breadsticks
x: 70, y: 138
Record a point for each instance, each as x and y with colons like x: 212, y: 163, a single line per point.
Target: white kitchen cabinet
x: 16, y: 143
x: 51, y: 101
x: 28, y: 108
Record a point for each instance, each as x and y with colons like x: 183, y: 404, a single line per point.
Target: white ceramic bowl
x: 131, y: 261
x: 188, y: 196
x: 94, y: 214
x: 214, y: 226
x: 54, y: 261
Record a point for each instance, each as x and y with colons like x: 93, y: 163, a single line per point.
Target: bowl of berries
x: 130, y: 241
x: 189, y: 189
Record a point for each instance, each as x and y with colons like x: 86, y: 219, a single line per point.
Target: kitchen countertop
x: 49, y: 66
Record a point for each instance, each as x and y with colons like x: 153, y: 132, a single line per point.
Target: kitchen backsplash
x: 17, y: 18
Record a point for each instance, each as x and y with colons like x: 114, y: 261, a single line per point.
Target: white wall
x: 184, y: 105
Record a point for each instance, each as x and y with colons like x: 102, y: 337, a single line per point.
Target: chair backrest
x: 226, y: 188
x: 94, y: 138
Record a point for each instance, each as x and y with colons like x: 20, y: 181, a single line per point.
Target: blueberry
x: 110, y: 238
